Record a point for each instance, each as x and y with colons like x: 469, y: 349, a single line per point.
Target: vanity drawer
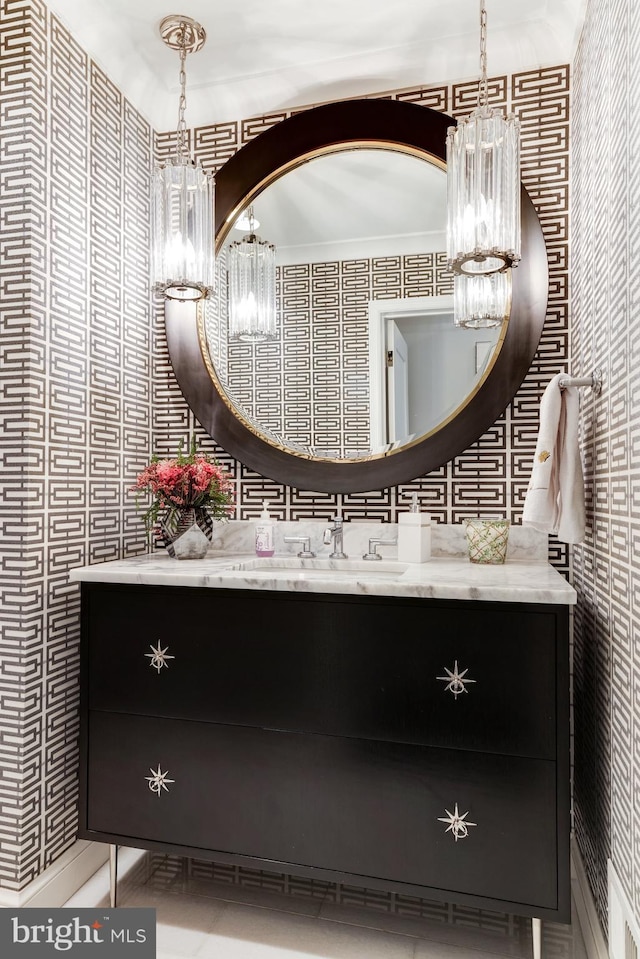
x: 367, y: 667
x: 369, y: 809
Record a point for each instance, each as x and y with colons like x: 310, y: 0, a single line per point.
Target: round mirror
x: 364, y: 381
x: 363, y: 355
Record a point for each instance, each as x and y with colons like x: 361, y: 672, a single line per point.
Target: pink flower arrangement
x: 193, y: 482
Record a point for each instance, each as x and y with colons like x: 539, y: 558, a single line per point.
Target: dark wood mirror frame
x: 400, y: 124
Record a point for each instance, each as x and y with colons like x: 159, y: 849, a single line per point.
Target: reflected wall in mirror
x: 325, y: 304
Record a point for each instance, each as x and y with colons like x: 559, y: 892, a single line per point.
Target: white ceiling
x: 268, y: 55
x: 353, y: 204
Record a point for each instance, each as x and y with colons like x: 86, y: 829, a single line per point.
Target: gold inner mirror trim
x: 220, y: 240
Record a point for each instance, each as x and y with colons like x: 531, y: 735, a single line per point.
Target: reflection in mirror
x: 357, y: 232
x: 421, y: 366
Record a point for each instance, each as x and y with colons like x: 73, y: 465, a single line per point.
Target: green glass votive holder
x: 487, y: 540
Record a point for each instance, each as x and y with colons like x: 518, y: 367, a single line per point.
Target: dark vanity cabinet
x: 420, y: 746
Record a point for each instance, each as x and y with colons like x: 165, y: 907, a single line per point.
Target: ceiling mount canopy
x: 182, y: 193
x: 182, y: 33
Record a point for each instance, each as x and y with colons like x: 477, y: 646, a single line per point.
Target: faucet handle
x: 305, y: 552
x: 373, y: 547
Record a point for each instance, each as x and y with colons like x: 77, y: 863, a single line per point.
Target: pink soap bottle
x: 264, y: 532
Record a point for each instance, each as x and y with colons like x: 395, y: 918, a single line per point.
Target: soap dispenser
x: 414, y: 535
x: 264, y: 532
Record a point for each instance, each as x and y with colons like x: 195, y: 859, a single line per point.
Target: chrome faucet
x: 373, y: 547
x: 333, y: 534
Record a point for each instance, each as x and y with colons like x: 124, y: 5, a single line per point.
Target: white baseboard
x: 62, y: 879
x: 624, y: 928
x: 594, y: 940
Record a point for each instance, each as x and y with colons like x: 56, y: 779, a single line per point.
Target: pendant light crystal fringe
x: 483, y: 184
x: 481, y: 302
x: 252, y: 288
x: 182, y: 194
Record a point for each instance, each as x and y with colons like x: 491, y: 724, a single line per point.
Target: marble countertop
x: 443, y: 577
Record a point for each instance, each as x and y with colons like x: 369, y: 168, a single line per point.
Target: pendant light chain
x: 483, y: 205
x: 182, y: 193
x: 483, y: 93
x: 182, y: 143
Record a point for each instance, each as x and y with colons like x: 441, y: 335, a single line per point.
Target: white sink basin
x: 291, y: 567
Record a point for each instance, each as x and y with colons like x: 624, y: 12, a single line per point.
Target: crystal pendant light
x: 483, y: 184
x: 182, y: 195
x: 481, y: 302
x: 252, y: 287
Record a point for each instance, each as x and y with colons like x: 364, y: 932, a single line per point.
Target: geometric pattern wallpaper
x: 492, y: 476
x: 87, y: 389
x: 605, y: 305
x: 75, y: 399
x: 309, y: 387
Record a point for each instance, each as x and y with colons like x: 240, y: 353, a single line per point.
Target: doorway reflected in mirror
x: 422, y: 367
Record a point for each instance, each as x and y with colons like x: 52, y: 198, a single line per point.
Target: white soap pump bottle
x: 414, y: 535
x: 264, y: 532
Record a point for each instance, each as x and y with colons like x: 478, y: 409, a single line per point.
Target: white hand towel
x: 555, y: 499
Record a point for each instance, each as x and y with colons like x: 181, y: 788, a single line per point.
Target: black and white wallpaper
x: 492, y: 476
x: 605, y: 329
x: 87, y: 394
x: 75, y: 399
x: 310, y: 386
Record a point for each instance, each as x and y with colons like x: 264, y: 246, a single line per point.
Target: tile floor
x: 212, y: 920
